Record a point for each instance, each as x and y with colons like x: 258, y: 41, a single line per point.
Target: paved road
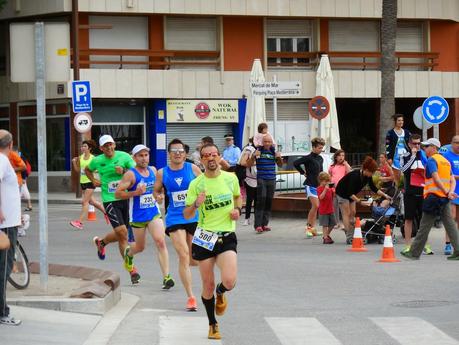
x: 290, y: 291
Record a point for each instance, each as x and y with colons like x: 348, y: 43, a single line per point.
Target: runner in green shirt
x: 217, y: 196
x: 111, y: 165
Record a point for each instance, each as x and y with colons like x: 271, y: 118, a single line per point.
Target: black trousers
x: 251, y: 197
x: 6, y: 265
x: 265, y: 194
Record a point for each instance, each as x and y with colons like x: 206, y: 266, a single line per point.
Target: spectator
x: 397, y: 145
x: 386, y: 174
x: 25, y: 194
x: 250, y: 181
x: 4, y: 241
x: 337, y: 170
x: 187, y: 152
x: 10, y: 219
x: 313, y: 165
x: 266, y: 159
x: 348, y: 188
x: 326, y: 213
x: 231, y: 153
x: 18, y: 165
x: 261, y: 131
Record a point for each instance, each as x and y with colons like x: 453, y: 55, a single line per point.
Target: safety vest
x: 444, y: 173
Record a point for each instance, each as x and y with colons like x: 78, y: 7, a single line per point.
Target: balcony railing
x: 353, y: 60
x: 161, y: 59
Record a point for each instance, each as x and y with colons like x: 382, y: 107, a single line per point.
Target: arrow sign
x: 276, y: 89
x: 435, y: 110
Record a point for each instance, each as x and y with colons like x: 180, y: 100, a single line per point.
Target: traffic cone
x: 357, y: 241
x: 388, y: 254
x: 92, y: 213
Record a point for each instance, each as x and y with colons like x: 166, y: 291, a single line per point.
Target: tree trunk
x: 388, y: 36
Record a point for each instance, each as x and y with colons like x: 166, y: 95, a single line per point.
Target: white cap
x: 105, y: 139
x: 432, y: 141
x: 139, y: 148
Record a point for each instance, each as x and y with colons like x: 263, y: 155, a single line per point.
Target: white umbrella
x: 256, y: 111
x: 329, y: 129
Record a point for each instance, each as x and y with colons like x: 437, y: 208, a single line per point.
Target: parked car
x: 288, y: 178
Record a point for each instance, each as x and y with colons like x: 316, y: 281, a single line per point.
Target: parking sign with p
x: 81, y: 96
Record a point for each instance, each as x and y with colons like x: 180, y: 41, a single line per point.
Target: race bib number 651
x: 178, y: 198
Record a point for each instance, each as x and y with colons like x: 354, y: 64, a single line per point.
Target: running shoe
x: 427, y: 250
x: 77, y: 224
x: 100, y: 248
x: 191, y: 305
x: 246, y: 222
x: 128, y: 259
x: 107, y: 220
x: 259, y: 229
x: 406, y: 249
x: 220, y: 304
x: 328, y: 240
x: 408, y: 255
x: 214, y: 332
x: 454, y: 256
x: 135, y: 276
x: 266, y: 228
x: 168, y: 282
x: 448, y: 249
x: 309, y: 234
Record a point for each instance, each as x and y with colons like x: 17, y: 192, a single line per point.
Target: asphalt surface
x: 290, y: 290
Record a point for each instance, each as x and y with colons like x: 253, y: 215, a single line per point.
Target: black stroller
x: 373, y: 231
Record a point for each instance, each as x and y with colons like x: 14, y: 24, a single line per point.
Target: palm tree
x: 388, y: 36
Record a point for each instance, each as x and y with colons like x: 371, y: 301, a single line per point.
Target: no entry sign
x: 319, y: 107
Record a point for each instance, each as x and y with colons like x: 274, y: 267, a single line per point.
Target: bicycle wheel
x: 20, y: 274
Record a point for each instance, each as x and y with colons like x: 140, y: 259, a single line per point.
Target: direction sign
x: 319, y: 107
x: 82, y: 122
x: 276, y: 88
x: 81, y: 96
x: 435, y: 109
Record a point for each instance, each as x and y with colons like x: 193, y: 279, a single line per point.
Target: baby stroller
x: 383, y: 212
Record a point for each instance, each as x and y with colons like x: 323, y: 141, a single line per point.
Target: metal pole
x: 436, y: 131
x: 424, y: 128
x: 319, y: 129
x: 274, y: 111
x: 41, y: 145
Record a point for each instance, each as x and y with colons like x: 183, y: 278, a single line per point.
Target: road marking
x: 413, y: 331
x: 301, y: 331
x: 174, y: 330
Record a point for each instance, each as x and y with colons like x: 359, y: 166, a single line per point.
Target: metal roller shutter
x: 191, y: 133
x: 288, y: 110
x: 288, y: 28
x: 191, y: 33
x: 409, y: 37
x: 356, y: 36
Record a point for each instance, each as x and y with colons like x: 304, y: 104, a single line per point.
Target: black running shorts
x: 223, y: 244
x: 413, y: 206
x: 87, y: 185
x: 117, y: 212
x: 189, y: 228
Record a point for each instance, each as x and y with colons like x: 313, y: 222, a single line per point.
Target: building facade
x: 161, y: 69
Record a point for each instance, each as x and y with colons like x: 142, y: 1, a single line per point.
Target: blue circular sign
x: 435, y: 109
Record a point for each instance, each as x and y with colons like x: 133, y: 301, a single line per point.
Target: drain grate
x: 423, y: 304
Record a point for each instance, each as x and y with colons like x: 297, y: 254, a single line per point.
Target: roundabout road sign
x: 319, y: 107
x: 435, y: 109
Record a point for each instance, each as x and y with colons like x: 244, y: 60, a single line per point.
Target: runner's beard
x: 212, y: 165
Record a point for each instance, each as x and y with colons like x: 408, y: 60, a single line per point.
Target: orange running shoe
x: 214, y: 332
x: 191, y: 305
x: 220, y: 304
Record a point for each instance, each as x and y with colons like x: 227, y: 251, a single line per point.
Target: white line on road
x: 301, y: 331
x: 413, y: 331
x: 184, y: 330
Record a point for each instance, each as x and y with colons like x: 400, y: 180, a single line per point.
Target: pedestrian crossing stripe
x: 191, y: 330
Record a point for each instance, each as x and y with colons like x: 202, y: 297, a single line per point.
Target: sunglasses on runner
x: 179, y: 151
x: 210, y: 154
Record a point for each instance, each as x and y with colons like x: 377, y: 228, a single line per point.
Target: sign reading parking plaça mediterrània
x: 276, y: 88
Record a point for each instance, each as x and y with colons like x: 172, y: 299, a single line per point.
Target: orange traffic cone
x: 92, y: 213
x: 357, y: 241
x: 388, y: 250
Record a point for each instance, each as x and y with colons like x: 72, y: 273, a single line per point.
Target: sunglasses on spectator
x: 416, y: 143
x: 209, y: 154
x: 179, y: 151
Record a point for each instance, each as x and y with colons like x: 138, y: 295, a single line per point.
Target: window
x: 288, y: 45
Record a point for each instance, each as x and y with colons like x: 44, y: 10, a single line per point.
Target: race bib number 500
x: 205, y: 239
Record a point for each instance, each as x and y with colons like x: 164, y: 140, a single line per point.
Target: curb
x: 60, y: 201
x: 99, y: 293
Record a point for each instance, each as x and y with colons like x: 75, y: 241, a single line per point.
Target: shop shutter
x: 289, y: 28
x: 357, y: 36
x: 410, y: 37
x: 191, y: 33
x: 191, y: 133
x: 288, y: 110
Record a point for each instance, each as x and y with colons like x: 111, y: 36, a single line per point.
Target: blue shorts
x: 310, y: 191
x: 455, y: 201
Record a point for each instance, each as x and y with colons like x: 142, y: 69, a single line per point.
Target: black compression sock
x: 210, y: 309
x: 221, y: 289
